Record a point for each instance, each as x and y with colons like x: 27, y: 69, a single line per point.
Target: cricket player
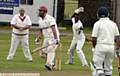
x: 50, y: 33
x: 21, y: 24
x: 104, y: 33
x: 78, y: 39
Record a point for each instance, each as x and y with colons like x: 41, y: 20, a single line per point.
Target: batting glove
x: 56, y: 41
x: 93, y: 49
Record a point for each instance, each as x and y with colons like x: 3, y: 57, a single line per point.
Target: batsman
x: 48, y: 29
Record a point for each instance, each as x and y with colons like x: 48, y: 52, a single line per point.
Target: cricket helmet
x: 43, y: 8
x: 103, y: 12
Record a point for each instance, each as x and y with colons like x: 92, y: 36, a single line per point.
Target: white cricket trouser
x: 15, y: 41
x: 77, y: 44
x: 102, y: 58
x: 50, y: 51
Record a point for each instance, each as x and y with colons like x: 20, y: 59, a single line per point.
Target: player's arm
x: 117, y: 37
x: 94, y: 41
x: 13, y: 23
x: 29, y: 23
x: 38, y: 36
x: 26, y: 27
x: 95, y: 34
x: 15, y: 26
x: 54, y: 31
x: 53, y: 27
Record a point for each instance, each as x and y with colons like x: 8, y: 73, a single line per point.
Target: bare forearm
x: 117, y: 42
x: 26, y: 27
x: 14, y: 26
x: 94, y: 41
x: 54, y: 32
x: 39, y: 34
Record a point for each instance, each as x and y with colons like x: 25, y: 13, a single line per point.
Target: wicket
x: 58, y: 57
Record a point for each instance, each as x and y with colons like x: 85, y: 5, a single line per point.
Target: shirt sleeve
x: 52, y: 22
x: 116, y: 31
x: 95, y: 30
x: 29, y: 21
x: 13, y: 21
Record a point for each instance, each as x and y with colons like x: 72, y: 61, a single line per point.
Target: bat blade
x: 38, y: 49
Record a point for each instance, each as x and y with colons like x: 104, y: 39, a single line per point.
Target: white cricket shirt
x: 77, y: 33
x: 16, y: 20
x: 45, y: 24
x: 105, y: 30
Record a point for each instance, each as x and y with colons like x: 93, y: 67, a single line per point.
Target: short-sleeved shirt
x: 22, y: 22
x: 45, y: 24
x: 77, y: 33
x: 105, y: 31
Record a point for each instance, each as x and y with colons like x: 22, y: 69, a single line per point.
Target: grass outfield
x: 20, y: 64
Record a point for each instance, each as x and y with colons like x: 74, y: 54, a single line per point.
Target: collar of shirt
x: 105, y: 18
x: 21, y: 16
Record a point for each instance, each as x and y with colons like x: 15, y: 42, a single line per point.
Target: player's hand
x: 37, y: 41
x: 93, y: 49
x: 57, y: 41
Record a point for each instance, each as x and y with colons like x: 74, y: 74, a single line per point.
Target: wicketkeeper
x: 78, y: 38
x: 104, y: 33
x: 50, y: 33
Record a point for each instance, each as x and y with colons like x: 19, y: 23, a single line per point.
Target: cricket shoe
x: 85, y: 65
x: 30, y: 60
x: 9, y: 58
x: 48, y: 67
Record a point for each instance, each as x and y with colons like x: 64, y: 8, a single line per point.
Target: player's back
x: 106, y: 31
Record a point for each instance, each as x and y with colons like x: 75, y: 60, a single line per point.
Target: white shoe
x: 9, y: 58
x: 85, y: 65
x: 30, y: 60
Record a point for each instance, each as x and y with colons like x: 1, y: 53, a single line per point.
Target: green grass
x: 20, y: 64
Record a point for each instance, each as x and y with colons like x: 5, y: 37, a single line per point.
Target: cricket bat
x: 40, y: 48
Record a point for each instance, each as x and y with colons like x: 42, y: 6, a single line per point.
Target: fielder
x: 104, y: 33
x: 49, y: 30
x: 21, y: 24
x: 78, y: 39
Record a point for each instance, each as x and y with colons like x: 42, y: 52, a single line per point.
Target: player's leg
x: 14, y: 43
x: 25, y: 47
x: 50, y: 57
x: 108, y: 61
x: 71, y: 52
x: 43, y: 53
x: 98, y: 59
x: 80, y: 53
